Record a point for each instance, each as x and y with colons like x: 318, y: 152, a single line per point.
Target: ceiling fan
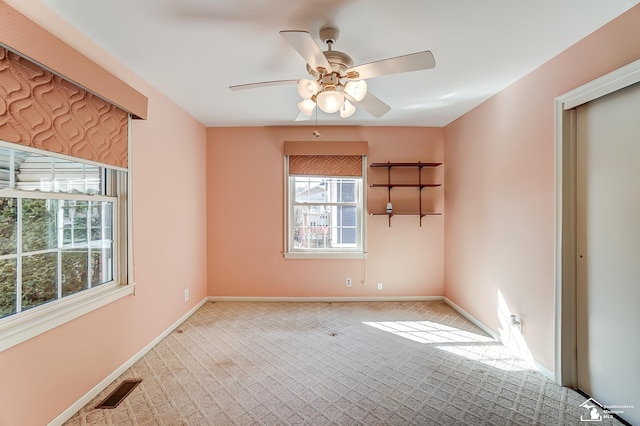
x: 335, y: 84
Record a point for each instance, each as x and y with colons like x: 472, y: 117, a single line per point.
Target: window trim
x: 359, y: 253
x: 18, y: 328
x: 25, y: 325
x: 326, y: 255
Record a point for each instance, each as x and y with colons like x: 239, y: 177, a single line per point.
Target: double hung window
x: 58, y: 228
x: 63, y: 240
x: 325, y: 206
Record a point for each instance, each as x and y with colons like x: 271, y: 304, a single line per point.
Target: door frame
x: 565, y: 339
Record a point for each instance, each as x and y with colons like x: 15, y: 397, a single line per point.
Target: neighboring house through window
x: 325, y: 213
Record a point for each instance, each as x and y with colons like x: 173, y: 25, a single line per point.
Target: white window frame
x: 323, y: 253
x: 20, y: 327
x: 20, y: 255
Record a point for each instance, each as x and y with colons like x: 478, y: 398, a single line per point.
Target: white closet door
x: 608, y: 242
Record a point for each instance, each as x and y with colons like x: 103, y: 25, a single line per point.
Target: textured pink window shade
x: 325, y: 165
x: 42, y: 110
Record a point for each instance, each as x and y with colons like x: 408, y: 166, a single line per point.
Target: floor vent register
x: 119, y: 394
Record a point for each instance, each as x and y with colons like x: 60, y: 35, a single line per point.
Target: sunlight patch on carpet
x: 473, y: 346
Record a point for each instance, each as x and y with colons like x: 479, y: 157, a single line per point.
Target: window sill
x: 21, y: 327
x: 325, y: 255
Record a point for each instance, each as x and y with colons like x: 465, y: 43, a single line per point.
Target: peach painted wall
x: 245, y: 208
x: 499, y: 180
x: 42, y: 377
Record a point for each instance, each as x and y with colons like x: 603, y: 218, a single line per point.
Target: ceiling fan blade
x: 307, y: 48
x: 372, y: 105
x: 412, y: 62
x: 302, y: 117
x: 262, y: 84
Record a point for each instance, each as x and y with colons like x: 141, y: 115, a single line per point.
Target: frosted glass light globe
x: 330, y: 101
x: 306, y: 107
x: 307, y: 88
x: 356, y: 89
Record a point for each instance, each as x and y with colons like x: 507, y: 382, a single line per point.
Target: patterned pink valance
x: 325, y: 165
x: 42, y: 110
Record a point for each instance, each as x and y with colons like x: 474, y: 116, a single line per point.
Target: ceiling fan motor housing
x: 339, y: 61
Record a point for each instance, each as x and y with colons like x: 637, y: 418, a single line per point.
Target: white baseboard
x: 474, y: 320
x: 325, y: 299
x: 75, y: 407
x: 544, y: 370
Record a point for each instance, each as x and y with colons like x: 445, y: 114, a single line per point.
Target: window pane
x: 49, y: 174
x: 34, y: 172
x: 74, y: 218
x: 301, y: 190
x: 347, y: 191
x: 101, y: 243
x: 7, y: 287
x: 346, y: 217
x: 311, y: 226
x: 101, y: 266
x: 39, y: 279
x: 324, y: 190
x: 101, y: 221
x: 88, y: 258
x: 8, y: 225
x: 38, y: 224
x: 311, y: 190
x: 10, y: 161
x: 325, y: 227
x: 75, y: 271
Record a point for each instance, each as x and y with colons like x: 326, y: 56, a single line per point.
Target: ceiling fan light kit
x: 337, y: 85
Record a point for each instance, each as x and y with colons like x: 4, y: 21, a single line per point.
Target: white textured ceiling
x: 193, y: 50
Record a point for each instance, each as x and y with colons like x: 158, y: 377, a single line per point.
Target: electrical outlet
x: 379, y: 286
x: 186, y: 294
x: 347, y: 281
x: 516, y: 321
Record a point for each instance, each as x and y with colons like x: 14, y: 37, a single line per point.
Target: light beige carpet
x: 361, y: 363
